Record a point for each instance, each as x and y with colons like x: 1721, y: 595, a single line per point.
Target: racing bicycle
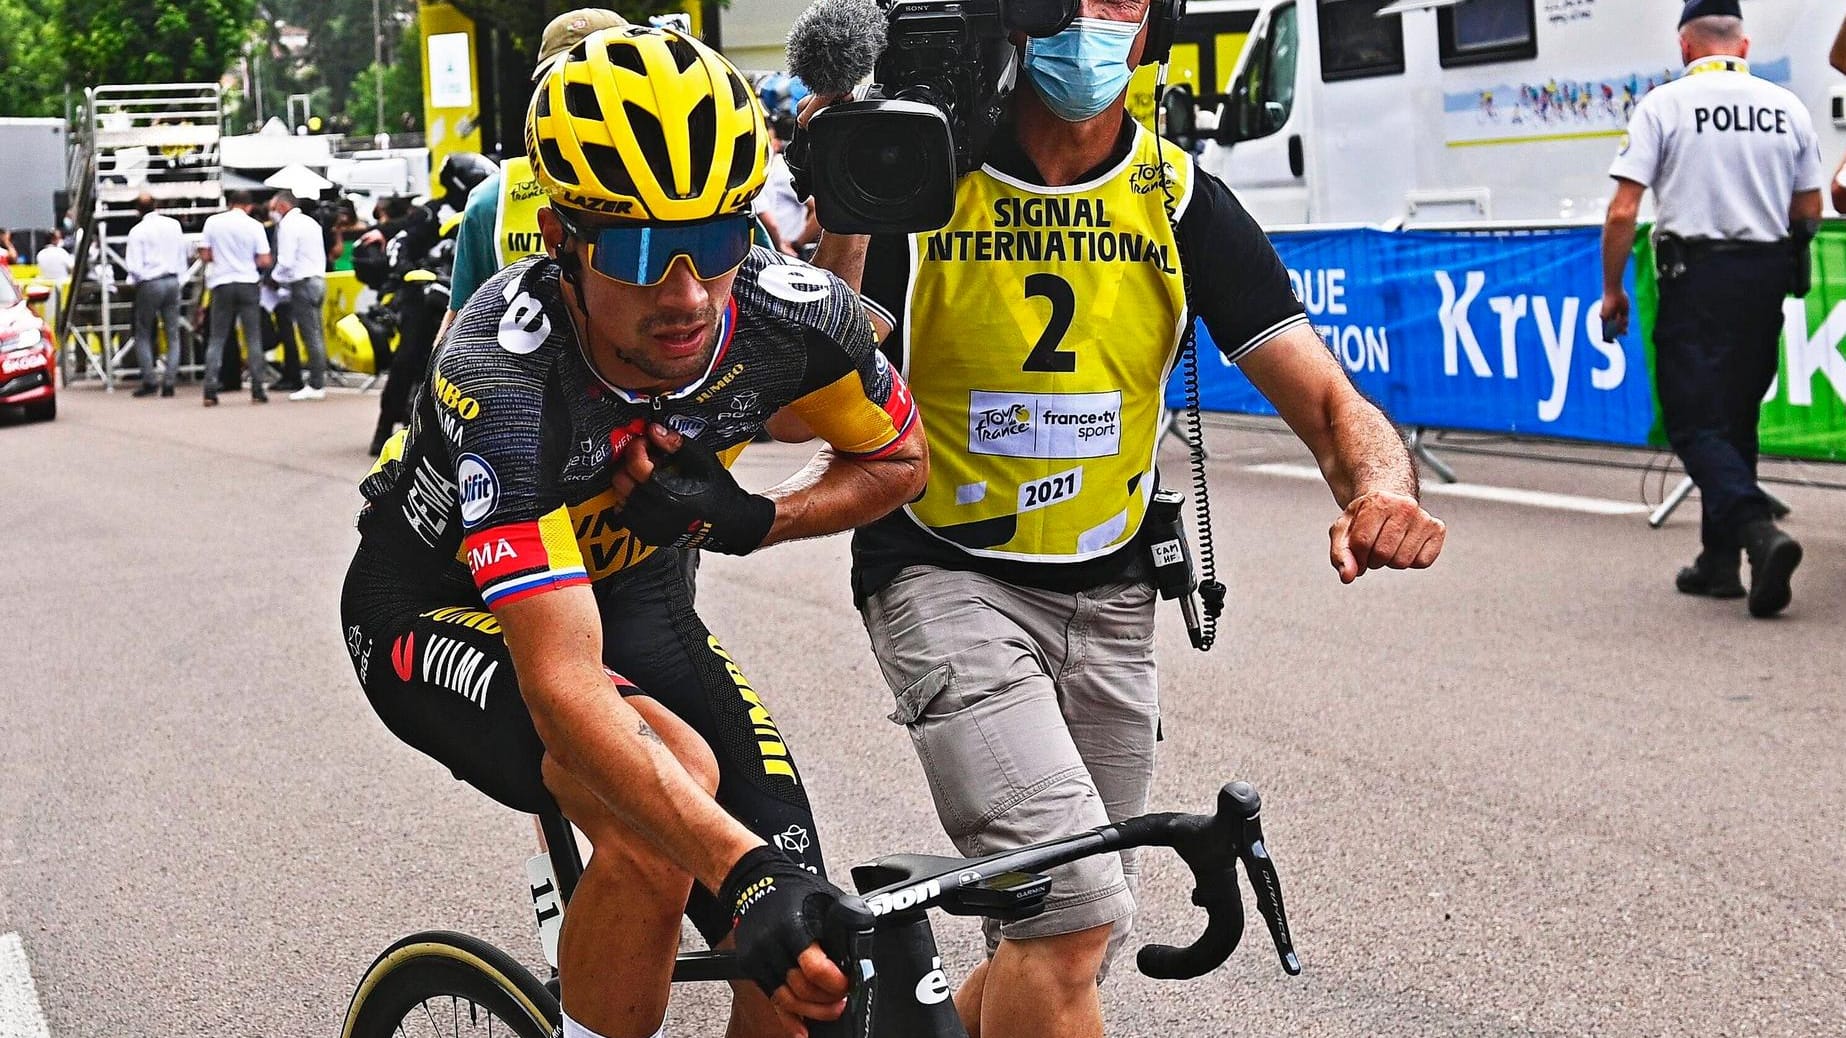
x: 438, y: 982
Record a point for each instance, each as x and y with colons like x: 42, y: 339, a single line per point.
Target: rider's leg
x: 621, y: 931
x: 654, y: 638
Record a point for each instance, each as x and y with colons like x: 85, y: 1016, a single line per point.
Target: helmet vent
x: 702, y: 131
x: 627, y: 55
x: 544, y: 101
x: 653, y: 143
x: 556, y: 164
x: 580, y: 101
x: 682, y: 52
x: 743, y: 160
x: 606, y: 166
x: 740, y: 94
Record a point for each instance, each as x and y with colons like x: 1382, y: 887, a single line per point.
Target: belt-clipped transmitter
x: 1172, y: 558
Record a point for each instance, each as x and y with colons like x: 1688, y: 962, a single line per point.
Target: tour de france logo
x: 999, y: 423
x: 1148, y: 176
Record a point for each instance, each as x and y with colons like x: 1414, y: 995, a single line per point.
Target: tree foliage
x: 150, y: 41
x: 524, y: 20
x: 32, y: 83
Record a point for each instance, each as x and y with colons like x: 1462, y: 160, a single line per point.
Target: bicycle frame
x: 883, y: 940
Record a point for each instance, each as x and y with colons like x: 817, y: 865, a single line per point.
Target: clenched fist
x: 1382, y: 529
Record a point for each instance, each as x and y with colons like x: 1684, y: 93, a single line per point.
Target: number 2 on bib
x: 1046, y: 356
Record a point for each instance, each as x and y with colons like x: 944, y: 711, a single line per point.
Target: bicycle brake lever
x: 1243, y: 805
x: 846, y: 937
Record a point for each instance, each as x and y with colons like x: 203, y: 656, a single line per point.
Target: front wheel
x: 441, y: 983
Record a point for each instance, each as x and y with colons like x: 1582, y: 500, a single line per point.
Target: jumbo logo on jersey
x: 1045, y: 425
x: 479, y: 488
x: 769, y: 744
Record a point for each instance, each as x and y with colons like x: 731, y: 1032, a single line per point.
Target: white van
x: 1428, y: 111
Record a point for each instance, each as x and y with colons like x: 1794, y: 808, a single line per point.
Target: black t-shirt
x: 1235, y: 283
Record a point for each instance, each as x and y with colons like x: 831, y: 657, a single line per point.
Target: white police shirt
x: 1724, y: 151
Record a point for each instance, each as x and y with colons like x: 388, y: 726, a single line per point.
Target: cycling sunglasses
x: 641, y: 253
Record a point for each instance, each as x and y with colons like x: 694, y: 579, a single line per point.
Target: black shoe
x: 211, y: 399
x: 166, y: 391
x: 259, y: 397
x: 1712, y: 576
x: 146, y: 389
x: 285, y: 385
x: 1773, y: 558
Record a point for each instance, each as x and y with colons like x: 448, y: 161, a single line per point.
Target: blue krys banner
x: 1498, y: 332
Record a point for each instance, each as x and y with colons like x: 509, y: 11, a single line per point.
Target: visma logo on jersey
x: 1045, y: 425
x: 478, y: 487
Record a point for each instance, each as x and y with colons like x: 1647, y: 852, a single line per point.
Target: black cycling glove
x: 779, y: 908
x: 692, y: 501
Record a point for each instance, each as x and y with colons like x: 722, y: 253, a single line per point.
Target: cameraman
x: 1009, y: 606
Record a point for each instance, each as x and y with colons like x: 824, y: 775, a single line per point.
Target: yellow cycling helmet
x: 643, y: 123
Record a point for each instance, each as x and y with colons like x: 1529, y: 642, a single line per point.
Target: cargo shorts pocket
x: 915, y: 699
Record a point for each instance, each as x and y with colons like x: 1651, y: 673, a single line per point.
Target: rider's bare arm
x: 841, y: 492
x: 556, y: 644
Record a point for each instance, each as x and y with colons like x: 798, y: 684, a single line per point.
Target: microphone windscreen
x: 835, y: 43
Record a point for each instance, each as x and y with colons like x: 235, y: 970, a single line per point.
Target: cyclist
x: 518, y: 551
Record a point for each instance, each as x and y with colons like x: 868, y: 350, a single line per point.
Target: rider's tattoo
x: 644, y: 731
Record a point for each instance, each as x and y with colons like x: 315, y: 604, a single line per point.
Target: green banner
x: 1805, y: 413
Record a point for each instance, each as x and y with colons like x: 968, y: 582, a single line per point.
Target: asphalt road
x: 1532, y: 791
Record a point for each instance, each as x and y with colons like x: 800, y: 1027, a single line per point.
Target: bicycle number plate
x: 547, y: 906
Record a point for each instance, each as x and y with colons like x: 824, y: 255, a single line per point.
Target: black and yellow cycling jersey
x: 505, y: 470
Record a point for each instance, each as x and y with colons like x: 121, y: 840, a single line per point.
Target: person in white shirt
x: 300, y: 272
x: 236, y: 250
x: 789, y: 219
x: 54, y: 260
x: 157, y: 259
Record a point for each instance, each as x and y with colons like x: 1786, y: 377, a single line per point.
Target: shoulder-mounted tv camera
x: 888, y: 163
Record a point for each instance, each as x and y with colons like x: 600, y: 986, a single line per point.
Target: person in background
x: 54, y: 260
x: 790, y: 220
x: 236, y: 251
x: 8, y: 254
x: 300, y: 271
x: 500, y: 219
x: 1739, y: 200
x: 157, y: 259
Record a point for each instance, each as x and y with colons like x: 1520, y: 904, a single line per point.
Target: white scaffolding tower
x: 159, y: 139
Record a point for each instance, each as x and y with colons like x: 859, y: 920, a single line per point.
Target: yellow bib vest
x: 1041, y: 325
x: 516, y: 219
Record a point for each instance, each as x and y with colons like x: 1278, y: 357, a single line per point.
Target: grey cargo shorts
x: 1034, y: 714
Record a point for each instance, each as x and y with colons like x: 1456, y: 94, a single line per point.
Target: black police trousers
x: 1716, y: 345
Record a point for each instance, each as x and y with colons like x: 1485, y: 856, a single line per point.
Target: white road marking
x: 1482, y: 492
x: 20, y: 1015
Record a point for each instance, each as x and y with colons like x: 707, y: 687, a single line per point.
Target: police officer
x: 1735, y: 167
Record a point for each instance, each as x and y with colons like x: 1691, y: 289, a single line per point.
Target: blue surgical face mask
x: 1083, y: 69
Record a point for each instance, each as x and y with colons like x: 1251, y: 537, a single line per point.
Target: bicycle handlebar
x: 1211, y: 846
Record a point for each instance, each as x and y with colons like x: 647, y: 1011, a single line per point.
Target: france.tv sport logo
x: 1045, y: 425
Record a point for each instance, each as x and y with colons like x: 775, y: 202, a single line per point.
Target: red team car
x: 28, y: 359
